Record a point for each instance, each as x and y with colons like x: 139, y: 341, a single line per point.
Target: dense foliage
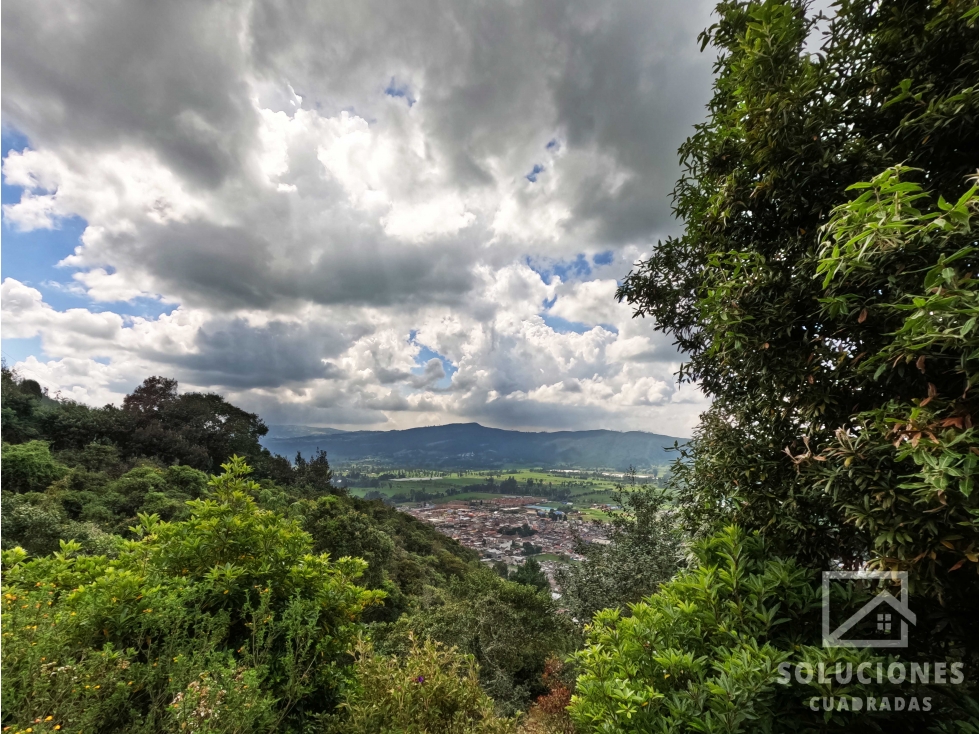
x: 824, y: 292
x: 826, y: 298
x: 200, y: 430
x: 703, y: 653
x: 920, y: 445
x: 510, y: 629
x: 225, y: 621
x: 644, y: 551
x: 432, y: 690
x: 782, y: 349
x: 228, y: 603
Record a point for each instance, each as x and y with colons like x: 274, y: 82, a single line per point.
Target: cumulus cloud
x: 341, y: 202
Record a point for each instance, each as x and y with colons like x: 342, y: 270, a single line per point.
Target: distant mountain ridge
x: 471, y: 445
x: 284, y: 430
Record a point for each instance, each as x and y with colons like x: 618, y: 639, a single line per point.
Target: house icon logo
x: 884, y: 615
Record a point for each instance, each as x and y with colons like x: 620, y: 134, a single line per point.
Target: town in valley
x: 512, y: 529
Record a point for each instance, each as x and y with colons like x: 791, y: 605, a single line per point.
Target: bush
x: 702, y: 655
x: 28, y: 467
x: 531, y: 574
x: 432, y: 690
x: 33, y: 520
x: 510, y: 629
x: 549, y: 714
x: 223, y: 622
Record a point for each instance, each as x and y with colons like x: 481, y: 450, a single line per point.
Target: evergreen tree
x: 835, y: 327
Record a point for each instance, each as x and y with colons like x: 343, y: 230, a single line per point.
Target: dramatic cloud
x: 354, y: 213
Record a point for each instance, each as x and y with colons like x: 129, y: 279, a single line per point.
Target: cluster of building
x: 478, y: 525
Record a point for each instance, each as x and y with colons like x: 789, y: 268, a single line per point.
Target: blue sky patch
x: 17, y: 350
x: 31, y: 257
x: 603, y: 258
x: 537, y: 171
x: 565, y: 269
x: 396, y: 89
x: 553, y: 145
x: 563, y: 326
x: 424, y: 356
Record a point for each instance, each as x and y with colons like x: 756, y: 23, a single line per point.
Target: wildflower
x: 420, y: 679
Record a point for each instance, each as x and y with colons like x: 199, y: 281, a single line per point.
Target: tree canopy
x: 824, y: 294
x: 824, y: 291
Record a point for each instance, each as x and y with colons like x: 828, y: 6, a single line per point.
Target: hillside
x: 233, y: 532
x: 462, y: 445
x: 288, y: 430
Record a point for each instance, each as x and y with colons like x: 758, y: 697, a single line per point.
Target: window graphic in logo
x: 882, y: 615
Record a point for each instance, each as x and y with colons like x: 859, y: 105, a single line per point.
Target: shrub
x: 28, y: 467
x: 702, y: 654
x: 204, y: 624
x: 510, y: 629
x: 33, y: 520
x: 432, y: 690
x: 549, y: 714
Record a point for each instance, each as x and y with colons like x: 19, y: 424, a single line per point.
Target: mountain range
x: 470, y: 445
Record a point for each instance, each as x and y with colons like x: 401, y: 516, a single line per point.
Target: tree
x: 315, y: 473
x: 911, y: 270
x: 831, y: 327
x: 152, y: 397
x: 531, y: 574
x: 644, y: 551
x: 29, y: 467
x: 202, y: 430
x: 20, y: 403
x: 511, y: 630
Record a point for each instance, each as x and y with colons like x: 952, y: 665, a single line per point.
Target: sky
x: 357, y: 214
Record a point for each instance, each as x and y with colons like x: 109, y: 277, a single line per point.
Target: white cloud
x: 312, y: 187
x: 591, y: 302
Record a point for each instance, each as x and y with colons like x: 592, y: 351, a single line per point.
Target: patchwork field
x: 407, y: 486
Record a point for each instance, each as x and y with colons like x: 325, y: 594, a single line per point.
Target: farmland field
x: 408, y: 486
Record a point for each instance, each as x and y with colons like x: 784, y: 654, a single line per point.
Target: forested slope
x: 172, y: 497
x: 463, y: 445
